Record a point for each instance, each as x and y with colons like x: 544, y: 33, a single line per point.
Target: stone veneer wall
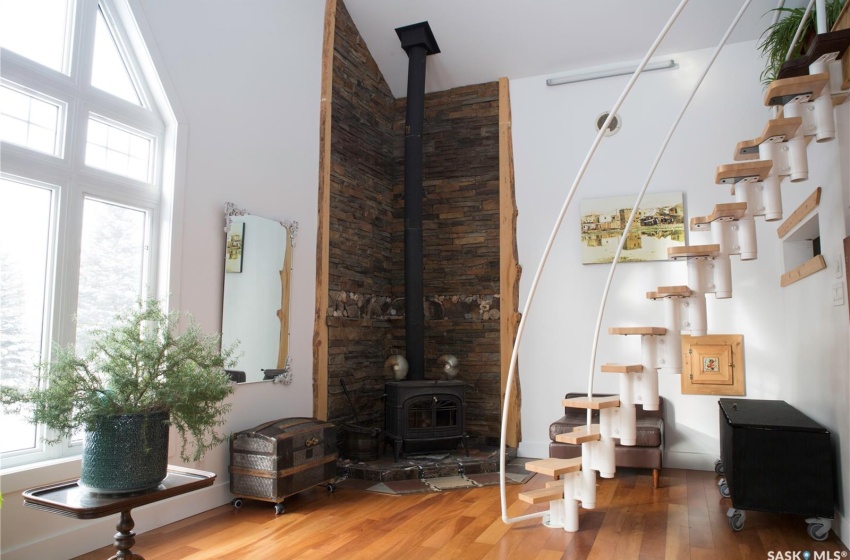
x: 361, y: 256
x: 461, y: 237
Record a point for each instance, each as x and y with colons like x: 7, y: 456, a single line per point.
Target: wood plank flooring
x: 684, y: 519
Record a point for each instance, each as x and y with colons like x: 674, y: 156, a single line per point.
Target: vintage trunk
x: 281, y: 458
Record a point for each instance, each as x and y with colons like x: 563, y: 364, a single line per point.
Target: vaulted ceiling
x: 483, y: 40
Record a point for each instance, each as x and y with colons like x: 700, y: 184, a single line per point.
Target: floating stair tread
x: 622, y: 368
x: 822, y: 44
x: 554, y: 467
x: 732, y: 173
x: 559, y: 483
x: 637, y: 330
x: 580, y: 434
x: 593, y: 403
x: 693, y: 251
x: 726, y: 212
x: 668, y: 292
x: 780, y: 92
x: 776, y: 130
x: 542, y: 495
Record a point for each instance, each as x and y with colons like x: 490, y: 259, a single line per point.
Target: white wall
x: 247, y: 77
x: 795, y: 341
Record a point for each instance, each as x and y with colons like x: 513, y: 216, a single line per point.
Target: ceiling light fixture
x: 607, y: 71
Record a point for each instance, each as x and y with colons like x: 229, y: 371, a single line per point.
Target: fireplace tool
x: 361, y: 443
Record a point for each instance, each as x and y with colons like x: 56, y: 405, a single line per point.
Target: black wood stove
x: 424, y: 416
x: 421, y: 415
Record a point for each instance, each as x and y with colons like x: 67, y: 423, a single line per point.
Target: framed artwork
x: 660, y: 224
x: 233, y: 247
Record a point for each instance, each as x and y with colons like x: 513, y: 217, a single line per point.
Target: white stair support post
x: 723, y: 234
x: 587, y: 478
x: 693, y: 308
x: 722, y: 268
x: 822, y: 107
x: 656, y: 352
x: 555, y: 518
x: 603, y: 449
x: 798, y: 160
x: 627, y: 424
x: 747, y: 192
x: 771, y: 197
x: 570, y: 503
x: 747, y: 238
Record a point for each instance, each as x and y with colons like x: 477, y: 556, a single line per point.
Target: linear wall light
x: 607, y: 71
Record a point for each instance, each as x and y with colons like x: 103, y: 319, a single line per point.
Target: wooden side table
x: 69, y: 499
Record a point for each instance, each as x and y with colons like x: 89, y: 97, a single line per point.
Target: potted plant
x: 137, y: 378
x: 776, y: 39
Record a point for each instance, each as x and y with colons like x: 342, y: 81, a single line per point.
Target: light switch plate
x: 838, y: 293
x: 839, y: 267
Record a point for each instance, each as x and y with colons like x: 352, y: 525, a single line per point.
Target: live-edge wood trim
x: 509, y: 268
x: 807, y: 207
x: 320, y: 327
x: 808, y: 268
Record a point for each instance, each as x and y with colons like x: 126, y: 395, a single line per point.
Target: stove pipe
x: 418, y: 41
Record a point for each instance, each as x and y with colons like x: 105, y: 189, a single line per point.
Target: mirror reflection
x: 255, y: 310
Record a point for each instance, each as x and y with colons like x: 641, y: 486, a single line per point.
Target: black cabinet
x: 775, y: 458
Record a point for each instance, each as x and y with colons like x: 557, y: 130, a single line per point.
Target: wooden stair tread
x: 554, y: 467
x: 593, y: 403
x: 823, y: 44
x: 693, y: 251
x: 668, y: 292
x: 542, y: 495
x: 637, y: 330
x: 622, y: 368
x: 731, y: 173
x: 776, y: 130
x: 780, y: 92
x: 580, y: 434
x: 726, y: 211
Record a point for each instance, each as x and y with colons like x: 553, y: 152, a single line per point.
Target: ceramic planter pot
x: 125, y: 453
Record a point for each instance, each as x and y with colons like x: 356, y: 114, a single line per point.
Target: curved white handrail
x: 652, y: 169
x: 547, y: 250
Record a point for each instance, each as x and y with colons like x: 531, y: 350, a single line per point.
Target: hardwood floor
x: 684, y: 519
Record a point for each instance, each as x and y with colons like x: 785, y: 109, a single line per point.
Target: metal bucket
x: 362, y: 443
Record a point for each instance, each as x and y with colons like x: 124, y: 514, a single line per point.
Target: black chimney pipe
x: 418, y: 41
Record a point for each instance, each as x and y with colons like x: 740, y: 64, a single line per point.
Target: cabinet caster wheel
x: 736, y: 519
x: 719, y: 468
x: 278, y: 509
x: 723, y: 488
x: 817, y: 531
x: 236, y: 502
x: 331, y: 488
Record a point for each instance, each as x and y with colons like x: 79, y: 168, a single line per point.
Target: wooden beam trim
x: 808, y: 268
x: 320, y: 326
x: 509, y: 269
x: 807, y: 207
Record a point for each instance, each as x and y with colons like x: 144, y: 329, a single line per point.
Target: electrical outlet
x: 838, y: 293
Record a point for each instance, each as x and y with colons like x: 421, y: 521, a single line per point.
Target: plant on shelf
x: 776, y: 39
x: 137, y: 374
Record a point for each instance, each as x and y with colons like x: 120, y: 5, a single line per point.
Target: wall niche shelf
x: 800, y: 235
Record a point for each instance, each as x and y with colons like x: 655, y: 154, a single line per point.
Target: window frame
x: 72, y: 181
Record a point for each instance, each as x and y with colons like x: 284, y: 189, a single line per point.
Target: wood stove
x: 425, y: 416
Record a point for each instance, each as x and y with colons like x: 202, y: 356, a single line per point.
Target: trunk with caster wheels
x: 774, y: 458
x: 281, y: 458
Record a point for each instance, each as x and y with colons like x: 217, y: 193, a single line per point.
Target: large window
x: 84, y: 128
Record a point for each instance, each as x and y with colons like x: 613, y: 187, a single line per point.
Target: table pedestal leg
x: 125, y: 538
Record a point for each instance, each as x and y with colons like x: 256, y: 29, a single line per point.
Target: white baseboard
x: 97, y: 533
x: 690, y: 461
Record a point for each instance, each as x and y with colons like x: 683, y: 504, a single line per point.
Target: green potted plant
x: 776, y: 39
x: 137, y: 378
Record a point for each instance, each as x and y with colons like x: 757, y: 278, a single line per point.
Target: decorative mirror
x: 255, y: 310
